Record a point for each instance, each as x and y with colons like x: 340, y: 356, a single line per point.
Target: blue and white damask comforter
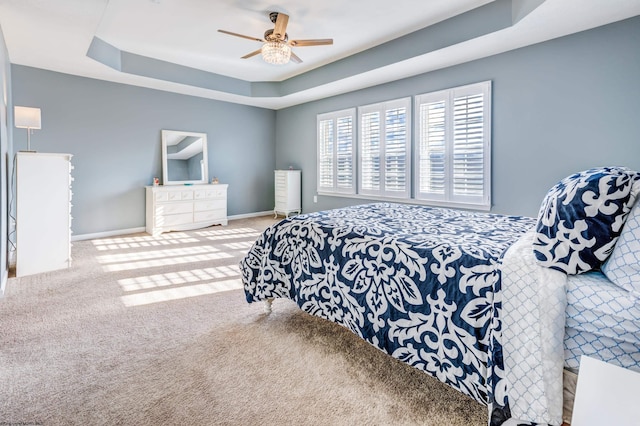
x: 422, y: 284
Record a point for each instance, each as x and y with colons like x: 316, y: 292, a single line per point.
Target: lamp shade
x: 27, y: 117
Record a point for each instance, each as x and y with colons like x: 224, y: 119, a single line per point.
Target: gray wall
x: 558, y: 107
x: 6, y: 116
x: 114, y: 132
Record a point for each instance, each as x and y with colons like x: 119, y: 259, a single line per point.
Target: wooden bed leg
x: 267, y: 306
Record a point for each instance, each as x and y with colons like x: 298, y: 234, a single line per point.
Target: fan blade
x: 316, y: 42
x: 281, y: 26
x: 295, y: 58
x: 254, y: 53
x: 240, y: 35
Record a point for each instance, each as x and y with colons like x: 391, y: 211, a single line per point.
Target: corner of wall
x: 6, y: 149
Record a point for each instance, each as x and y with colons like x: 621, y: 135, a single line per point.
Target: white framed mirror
x: 184, y: 158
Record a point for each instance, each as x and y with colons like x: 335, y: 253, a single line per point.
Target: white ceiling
x: 56, y: 34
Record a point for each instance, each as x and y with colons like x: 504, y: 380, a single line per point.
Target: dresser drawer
x: 210, y: 194
x: 180, y: 195
x: 281, y: 180
x: 173, y: 208
x: 281, y: 191
x: 176, y: 219
x: 283, y: 205
x: 209, y: 215
x: 219, y: 193
x: 161, y: 196
x: 200, y: 206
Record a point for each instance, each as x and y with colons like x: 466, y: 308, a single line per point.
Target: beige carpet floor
x: 156, y: 331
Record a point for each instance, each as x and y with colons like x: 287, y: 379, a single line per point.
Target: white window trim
x: 415, y: 201
x: 382, y: 107
x: 334, y: 116
x: 448, y: 199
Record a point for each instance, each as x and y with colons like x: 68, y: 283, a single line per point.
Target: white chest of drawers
x: 181, y: 208
x: 43, y: 212
x: 287, y: 191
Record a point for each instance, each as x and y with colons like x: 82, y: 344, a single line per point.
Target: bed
x: 477, y: 300
x: 602, y: 321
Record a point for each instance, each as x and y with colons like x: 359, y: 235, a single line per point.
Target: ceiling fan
x: 277, y: 46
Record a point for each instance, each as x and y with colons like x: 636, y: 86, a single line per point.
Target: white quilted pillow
x: 623, y: 266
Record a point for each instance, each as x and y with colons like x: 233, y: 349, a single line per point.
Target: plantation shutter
x: 325, y: 155
x: 453, y: 146
x: 431, y: 151
x: 345, y: 153
x: 384, y: 144
x: 336, y: 152
x: 396, y: 166
x: 468, y: 146
x: 370, y: 152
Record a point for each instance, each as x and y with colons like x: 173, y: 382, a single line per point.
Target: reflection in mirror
x: 184, y: 157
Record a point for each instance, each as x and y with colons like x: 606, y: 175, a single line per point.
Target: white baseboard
x: 115, y: 233
x: 3, y: 283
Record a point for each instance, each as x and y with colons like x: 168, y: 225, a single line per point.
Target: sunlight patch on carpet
x: 229, y: 234
x: 142, y: 255
x: 158, y: 258
x: 177, y: 293
x: 154, y: 263
x: 137, y: 241
x: 179, y: 278
x: 244, y: 246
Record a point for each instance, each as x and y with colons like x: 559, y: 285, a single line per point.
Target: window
x: 447, y: 162
x: 453, y: 157
x: 384, y: 149
x: 336, y: 152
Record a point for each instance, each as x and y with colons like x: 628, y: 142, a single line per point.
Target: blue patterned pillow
x: 623, y: 266
x: 582, y: 216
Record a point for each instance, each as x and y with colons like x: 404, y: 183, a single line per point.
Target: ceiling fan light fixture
x: 276, y: 52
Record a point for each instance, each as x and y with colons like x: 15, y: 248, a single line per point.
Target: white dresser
x: 287, y: 191
x: 184, y: 207
x: 43, y: 212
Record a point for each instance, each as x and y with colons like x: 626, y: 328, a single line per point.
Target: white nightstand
x: 606, y: 395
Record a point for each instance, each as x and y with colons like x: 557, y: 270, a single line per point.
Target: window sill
x: 430, y: 203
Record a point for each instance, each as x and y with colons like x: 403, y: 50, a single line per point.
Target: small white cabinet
x: 185, y: 207
x: 43, y: 212
x: 287, y: 192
